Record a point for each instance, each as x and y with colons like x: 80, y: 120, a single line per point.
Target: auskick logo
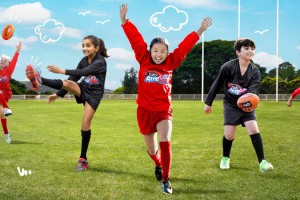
x: 245, y: 104
x: 236, y: 89
x: 91, y: 80
x: 3, y: 79
x: 154, y: 77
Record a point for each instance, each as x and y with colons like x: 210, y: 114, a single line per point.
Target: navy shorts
x: 237, y: 116
x: 86, y: 96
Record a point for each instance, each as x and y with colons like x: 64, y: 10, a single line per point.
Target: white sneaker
x: 7, y: 138
x: 7, y: 111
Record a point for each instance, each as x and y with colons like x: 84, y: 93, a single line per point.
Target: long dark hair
x: 97, y: 42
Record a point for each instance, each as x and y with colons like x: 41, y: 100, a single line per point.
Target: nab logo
x: 245, y: 104
x: 24, y: 172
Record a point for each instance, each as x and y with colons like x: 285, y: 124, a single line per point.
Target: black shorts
x: 86, y: 96
x: 236, y: 116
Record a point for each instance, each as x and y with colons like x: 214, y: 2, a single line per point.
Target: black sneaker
x: 82, y: 164
x: 158, y: 173
x: 166, y: 185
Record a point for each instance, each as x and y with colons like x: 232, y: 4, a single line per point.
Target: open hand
x: 54, y: 69
x: 206, y: 23
x: 19, y: 47
x: 123, y: 12
x: 248, y: 109
x: 52, y: 98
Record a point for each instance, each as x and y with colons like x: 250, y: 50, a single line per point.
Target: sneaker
x: 7, y: 138
x: 158, y: 173
x: 166, y: 186
x: 7, y: 112
x: 265, y: 166
x: 225, y: 163
x: 82, y: 164
x: 34, y: 77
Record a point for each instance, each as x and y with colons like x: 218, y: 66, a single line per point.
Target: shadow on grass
x: 22, y: 142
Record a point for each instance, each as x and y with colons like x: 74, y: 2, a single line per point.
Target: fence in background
x: 263, y: 97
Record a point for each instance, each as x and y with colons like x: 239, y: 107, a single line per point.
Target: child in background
x: 154, y: 113
x: 7, y: 68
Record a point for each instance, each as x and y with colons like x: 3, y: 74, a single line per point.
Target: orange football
x: 8, y: 32
x: 248, y: 100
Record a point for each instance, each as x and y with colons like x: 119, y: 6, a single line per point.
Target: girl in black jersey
x: 89, y: 91
x: 240, y: 76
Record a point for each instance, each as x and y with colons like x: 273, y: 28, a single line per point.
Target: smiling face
x: 4, y: 62
x: 88, y: 48
x: 246, y: 53
x: 159, y: 53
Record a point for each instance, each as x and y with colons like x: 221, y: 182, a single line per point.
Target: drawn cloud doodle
x: 50, y: 31
x: 156, y: 19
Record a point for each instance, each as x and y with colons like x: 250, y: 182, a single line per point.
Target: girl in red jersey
x: 295, y: 93
x: 7, y: 68
x: 154, y: 113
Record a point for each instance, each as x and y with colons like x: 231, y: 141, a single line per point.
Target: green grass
x: 46, y: 140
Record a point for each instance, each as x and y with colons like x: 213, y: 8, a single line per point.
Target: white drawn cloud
x: 49, y: 31
x: 155, y: 20
x: 29, y: 13
x: 210, y: 4
x: 121, y: 54
x: 266, y: 60
x: 123, y: 66
x: 15, y: 41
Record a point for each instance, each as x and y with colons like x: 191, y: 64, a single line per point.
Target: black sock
x: 258, y: 146
x: 226, y: 147
x: 86, y: 135
x: 53, y: 83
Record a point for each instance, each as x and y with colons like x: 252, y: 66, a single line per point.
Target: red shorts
x: 148, y: 120
x: 6, y: 94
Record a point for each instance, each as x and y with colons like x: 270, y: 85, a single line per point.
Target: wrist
x: 123, y: 19
x: 62, y: 71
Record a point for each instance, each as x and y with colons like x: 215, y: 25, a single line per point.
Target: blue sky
x: 256, y: 15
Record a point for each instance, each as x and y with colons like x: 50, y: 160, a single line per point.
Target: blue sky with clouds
x: 256, y: 15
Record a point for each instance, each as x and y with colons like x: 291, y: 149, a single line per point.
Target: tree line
x: 19, y: 88
x: 187, y: 78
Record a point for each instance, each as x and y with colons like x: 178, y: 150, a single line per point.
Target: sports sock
x: 4, y: 125
x: 53, y: 83
x: 86, y: 135
x: 166, y: 156
x: 258, y: 146
x: 226, y: 147
x: 3, y: 100
x: 156, y: 158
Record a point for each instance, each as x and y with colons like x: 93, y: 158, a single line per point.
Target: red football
x: 8, y: 32
x: 248, y: 100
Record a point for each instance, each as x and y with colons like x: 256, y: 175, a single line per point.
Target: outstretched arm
x: 206, y: 23
x: 13, y: 62
x: 123, y: 12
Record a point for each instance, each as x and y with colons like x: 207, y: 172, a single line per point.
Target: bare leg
x: 72, y: 87
x: 151, y: 143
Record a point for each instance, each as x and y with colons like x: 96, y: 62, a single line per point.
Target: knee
x: 85, y: 126
x: 229, y: 137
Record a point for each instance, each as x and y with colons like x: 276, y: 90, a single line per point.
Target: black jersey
x: 235, y: 84
x: 94, y: 77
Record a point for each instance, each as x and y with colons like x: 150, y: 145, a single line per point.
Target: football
x: 248, y: 100
x: 8, y: 32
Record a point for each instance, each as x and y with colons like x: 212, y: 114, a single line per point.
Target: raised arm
x: 136, y: 40
x: 12, y: 65
x: 187, y: 44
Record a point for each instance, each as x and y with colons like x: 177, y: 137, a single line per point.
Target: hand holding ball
x: 8, y: 32
x: 248, y: 100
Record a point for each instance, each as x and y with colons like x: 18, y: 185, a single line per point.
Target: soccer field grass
x: 46, y: 140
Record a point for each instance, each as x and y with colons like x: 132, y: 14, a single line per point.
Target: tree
x: 262, y: 70
x: 286, y: 71
x: 268, y: 86
x: 272, y: 73
x: 31, y: 92
x: 130, y: 81
x: 186, y: 79
x: 17, y: 87
x: 119, y: 90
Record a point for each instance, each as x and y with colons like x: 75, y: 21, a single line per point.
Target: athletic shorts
x: 147, y: 120
x: 85, y: 96
x: 6, y: 94
x: 237, y: 116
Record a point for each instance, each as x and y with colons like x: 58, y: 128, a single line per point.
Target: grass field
x: 46, y: 140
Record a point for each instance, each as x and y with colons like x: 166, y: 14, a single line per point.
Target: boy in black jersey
x: 240, y: 76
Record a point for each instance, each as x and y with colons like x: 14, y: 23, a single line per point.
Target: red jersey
x: 296, y: 92
x: 155, y: 81
x: 6, y: 73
